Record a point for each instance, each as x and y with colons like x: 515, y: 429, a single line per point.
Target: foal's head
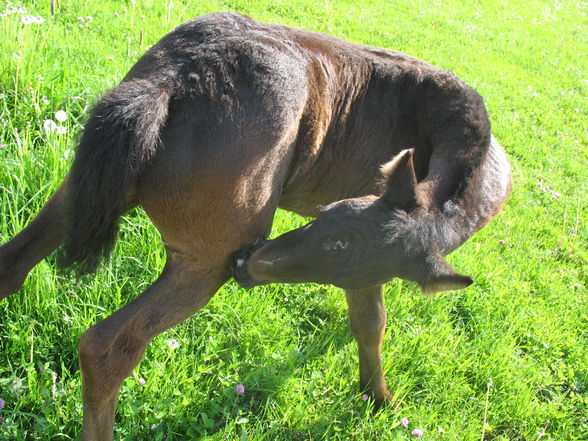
x: 359, y: 243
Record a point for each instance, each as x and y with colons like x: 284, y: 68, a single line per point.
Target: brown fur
x: 224, y: 120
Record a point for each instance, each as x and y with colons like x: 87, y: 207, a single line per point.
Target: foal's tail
x: 121, y: 135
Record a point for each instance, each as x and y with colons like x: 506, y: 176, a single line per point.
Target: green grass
x: 511, y: 350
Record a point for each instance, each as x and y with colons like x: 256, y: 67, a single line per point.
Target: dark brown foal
x: 226, y: 119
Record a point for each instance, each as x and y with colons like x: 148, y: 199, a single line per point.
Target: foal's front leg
x: 367, y: 317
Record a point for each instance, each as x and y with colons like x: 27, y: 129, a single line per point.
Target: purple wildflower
x: 240, y: 389
x: 404, y: 422
x: 2, y: 403
x: 418, y: 433
x: 142, y: 381
x: 364, y: 397
x: 2, y: 420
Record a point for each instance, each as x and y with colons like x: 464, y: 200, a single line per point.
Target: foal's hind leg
x: 367, y: 317
x: 112, y: 348
x: 39, y: 239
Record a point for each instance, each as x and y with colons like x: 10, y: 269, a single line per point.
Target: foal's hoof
x: 239, y: 266
x: 385, y: 402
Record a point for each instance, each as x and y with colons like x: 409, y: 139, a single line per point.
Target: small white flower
x: 61, y: 116
x: 60, y: 130
x: 20, y: 10
x: 16, y: 385
x: 49, y: 125
x: 172, y: 343
x: 32, y: 19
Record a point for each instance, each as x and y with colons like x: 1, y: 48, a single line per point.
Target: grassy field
x: 506, y: 359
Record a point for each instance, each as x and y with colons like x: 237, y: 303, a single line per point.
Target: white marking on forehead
x: 335, y: 245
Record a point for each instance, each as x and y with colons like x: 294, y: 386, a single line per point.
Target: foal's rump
x: 202, y: 139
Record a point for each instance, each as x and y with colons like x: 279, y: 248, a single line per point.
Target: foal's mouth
x: 239, y: 266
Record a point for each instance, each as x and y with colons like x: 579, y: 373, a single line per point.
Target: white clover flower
x: 61, y: 116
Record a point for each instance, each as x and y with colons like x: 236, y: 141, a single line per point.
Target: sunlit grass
x: 511, y: 351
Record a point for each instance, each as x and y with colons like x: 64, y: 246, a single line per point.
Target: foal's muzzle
x: 239, y: 266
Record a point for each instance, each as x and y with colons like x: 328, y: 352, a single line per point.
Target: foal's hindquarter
x: 259, y: 117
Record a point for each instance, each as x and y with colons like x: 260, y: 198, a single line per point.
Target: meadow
x: 505, y: 359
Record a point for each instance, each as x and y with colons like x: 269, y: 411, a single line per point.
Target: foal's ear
x: 400, y: 182
x: 441, y: 277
